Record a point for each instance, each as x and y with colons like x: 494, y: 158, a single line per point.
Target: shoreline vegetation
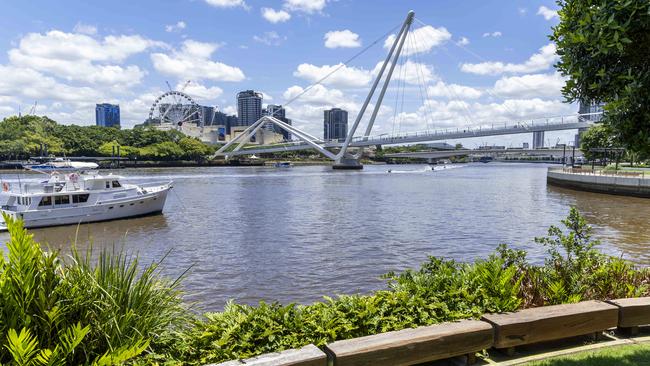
x: 111, y: 310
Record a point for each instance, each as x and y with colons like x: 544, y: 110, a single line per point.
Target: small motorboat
x: 282, y: 164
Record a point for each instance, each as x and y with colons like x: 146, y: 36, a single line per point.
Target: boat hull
x: 147, y: 204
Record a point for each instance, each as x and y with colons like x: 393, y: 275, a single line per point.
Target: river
x: 296, y: 234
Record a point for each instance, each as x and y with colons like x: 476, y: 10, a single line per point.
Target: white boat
x: 73, y: 198
x: 60, y: 164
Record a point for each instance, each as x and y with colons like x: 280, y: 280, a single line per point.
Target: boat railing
x: 155, y: 184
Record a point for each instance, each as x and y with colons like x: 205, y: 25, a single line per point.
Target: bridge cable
x: 422, y: 84
x: 487, y: 90
x: 321, y: 80
x: 397, y: 94
x: 453, y: 96
x: 418, y: 65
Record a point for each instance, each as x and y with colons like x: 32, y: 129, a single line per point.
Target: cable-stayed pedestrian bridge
x: 569, y: 122
x: 339, y: 150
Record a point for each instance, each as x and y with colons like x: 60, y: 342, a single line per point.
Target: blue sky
x: 477, y: 61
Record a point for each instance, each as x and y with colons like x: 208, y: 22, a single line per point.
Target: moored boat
x: 60, y: 164
x: 80, y: 197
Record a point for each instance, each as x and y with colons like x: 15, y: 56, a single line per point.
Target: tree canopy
x: 604, y: 49
x: 22, y: 137
x: 596, y: 137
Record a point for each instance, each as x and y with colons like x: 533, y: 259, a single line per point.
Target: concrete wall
x: 610, y: 184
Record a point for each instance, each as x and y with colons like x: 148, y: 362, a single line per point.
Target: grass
x: 637, y: 354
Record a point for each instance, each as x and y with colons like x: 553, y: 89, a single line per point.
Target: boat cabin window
x: 79, y: 198
x: 61, y: 200
x: 116, y: 184
x: 46, y: 201
x: 24, y: 200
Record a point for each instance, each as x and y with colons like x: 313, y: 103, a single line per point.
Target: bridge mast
x: 344, y: 161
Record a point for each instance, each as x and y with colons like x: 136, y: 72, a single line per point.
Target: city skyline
x: 476, y: 68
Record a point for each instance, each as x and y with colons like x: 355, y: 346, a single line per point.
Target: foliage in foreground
x: 441, y: 290
x: 81, y: 313
x: 604, y: 52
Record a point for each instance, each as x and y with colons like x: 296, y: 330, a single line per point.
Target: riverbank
x: 601, y: 181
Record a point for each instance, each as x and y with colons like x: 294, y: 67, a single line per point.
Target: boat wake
x: 427, y: 169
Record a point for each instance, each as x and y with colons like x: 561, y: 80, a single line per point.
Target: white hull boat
x: 59, y: 165
x: 66, y: 199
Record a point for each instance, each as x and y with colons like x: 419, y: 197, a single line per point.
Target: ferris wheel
x: 176, y: 108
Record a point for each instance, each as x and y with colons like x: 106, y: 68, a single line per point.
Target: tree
x: 193, y: 148
x: 596, y: 137
x: 604, y: 49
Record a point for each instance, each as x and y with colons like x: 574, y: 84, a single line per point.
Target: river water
x: 296, y: 234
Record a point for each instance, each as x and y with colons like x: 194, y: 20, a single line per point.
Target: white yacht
x: 73, y: 198
x: 60, y: 164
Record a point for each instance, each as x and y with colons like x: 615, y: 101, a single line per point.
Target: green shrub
x: 57, y: 314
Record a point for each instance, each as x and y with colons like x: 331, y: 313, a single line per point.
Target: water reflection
x: 621, y: 222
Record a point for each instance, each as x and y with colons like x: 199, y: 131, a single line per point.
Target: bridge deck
x: 426, y: 136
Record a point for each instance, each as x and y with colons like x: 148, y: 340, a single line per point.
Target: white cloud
x: 78, y: 57
x: 421, y: 40
x: 345, y: 76
x: 85, y: 28
x: 540, y: 61
x: 306, y: 6
x: 316, y: 95
x: 453, y: 91
x: 461, y: 114
x: 530, y: 86
x: 200, y: 92
x: 72, y: 46
x: 230, y: 110
x: 227, y: 3
x: 33, y: 85
x: 136, y: 110
x: 193, y: 61
x: 410, y: 72
x: 275, y: 16
x: 463, y: 41
x: 547, y: 13
x: 180, y: 25
x: 344, y: 39
x: 81, y: 70
x: 492, y: 34
x: 270, y: 38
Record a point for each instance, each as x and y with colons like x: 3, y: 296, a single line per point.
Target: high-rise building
x: 280, y: 113
x: 107, y: 115
x: 335, y: 124
x: 538, y: 139
x: 207, y: 115
x: 249, y: 107
x: 587, y: 108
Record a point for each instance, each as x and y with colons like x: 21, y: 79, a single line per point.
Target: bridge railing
x: 496, y: 126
